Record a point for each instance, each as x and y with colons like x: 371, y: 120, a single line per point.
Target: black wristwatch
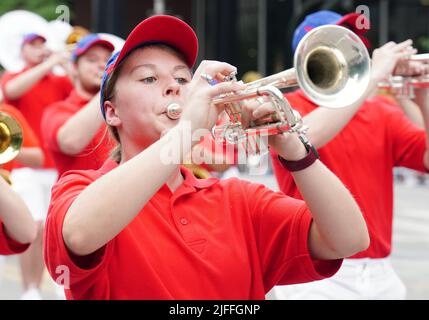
x: 308, y: 160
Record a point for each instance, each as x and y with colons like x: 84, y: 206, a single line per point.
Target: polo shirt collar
x: 192, y: 181
x: 76, y: 99
x: 189, y: 179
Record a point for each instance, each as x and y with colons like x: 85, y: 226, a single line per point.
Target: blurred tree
x: 45, y: 8
x: 423, y: 44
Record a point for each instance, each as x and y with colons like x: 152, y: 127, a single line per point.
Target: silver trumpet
x: 331, y: 66
x: 403, y: 86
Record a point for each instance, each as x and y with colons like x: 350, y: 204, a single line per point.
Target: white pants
x: 34, y: 187
x: 2, y: 258
x: 357, y: 279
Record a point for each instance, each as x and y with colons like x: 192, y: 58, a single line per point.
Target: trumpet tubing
x: 403, y: 86
x: 422, y: 57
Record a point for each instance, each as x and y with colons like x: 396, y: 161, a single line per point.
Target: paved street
x: 410, y: 254
x: 410, y: 250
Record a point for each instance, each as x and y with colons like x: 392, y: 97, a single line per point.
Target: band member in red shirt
x: 361, y: 144
x: 143, y: 227
x: 17, y: 227
x: 31, y: 91
x: 73, y: 129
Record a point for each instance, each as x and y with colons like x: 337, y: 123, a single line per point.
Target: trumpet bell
x: 10, y: 138
x: 332, y: 66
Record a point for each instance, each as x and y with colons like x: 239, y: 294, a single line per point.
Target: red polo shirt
x: 29, y: 139
x: 94, y: 154
x: 8, y: 246
x: 377, y: 139
x: 210, y: 239
x: 32, y: 104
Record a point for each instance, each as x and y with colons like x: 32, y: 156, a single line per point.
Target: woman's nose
x: 173, y: 88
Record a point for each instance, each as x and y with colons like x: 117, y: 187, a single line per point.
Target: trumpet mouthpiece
x: 174, y: 111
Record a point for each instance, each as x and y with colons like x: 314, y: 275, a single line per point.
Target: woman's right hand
x: 198, y: 108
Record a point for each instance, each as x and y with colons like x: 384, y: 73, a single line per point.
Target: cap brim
x: 34, y: 37
x: 163, y: 29
x: 99, y: 42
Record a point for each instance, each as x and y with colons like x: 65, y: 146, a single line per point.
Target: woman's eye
x: 148, y: 80
x: 182, y: 80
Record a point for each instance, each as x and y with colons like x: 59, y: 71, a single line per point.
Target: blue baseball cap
x: 325, y: 17
x: 30, y: 37
x: 87, y: 42
x: 160, y: 29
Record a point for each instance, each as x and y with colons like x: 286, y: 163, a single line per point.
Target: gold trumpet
x: 77, y: 33
x: 331, y: 66
x: 10, y: 138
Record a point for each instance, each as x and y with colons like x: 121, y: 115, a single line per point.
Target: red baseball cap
x: 350, y: 21
x: 161, y: 29
x: 89, y: 41
x: 155, y: 30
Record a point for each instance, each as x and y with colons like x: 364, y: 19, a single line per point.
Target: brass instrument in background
x: 331, y: 66
x: 10, y: 142
x: 6, y: 176
x: 10, y: 138
x: 60, y: 36
x: 403, y: 86
x: 75, y: 35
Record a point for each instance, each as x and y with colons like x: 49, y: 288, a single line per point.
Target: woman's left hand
x: 199, y: 109
x: 286, y: 144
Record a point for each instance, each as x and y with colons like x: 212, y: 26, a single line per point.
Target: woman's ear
x: 112, y: 117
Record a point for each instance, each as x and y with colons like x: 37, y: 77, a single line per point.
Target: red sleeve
x: 83, y: 271
x: 300, y: 102
x: 8, y: 246
x: 408, y: 141
x: 53, y: 119
x: 4, y: 80
x: 282, y: 226
x: 66, y: 85
x: 284, y: 178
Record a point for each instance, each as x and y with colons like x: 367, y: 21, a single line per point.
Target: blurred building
x: 255, y: 34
